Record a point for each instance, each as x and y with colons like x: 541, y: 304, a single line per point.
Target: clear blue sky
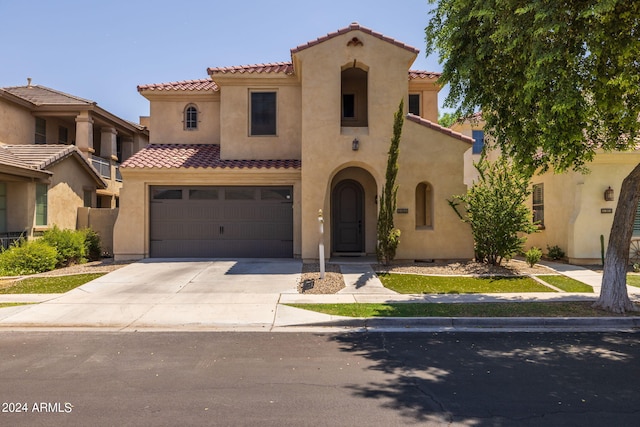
x: 103, y: 49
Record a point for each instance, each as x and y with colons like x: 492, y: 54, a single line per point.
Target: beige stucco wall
x: 20, y: 208
x: 167, y: 119
x: 573, y: 204
x: 101, y: 221
x: 131, y: 231
x: 18, y: 125
x: 326, y: 147
x: 236, y: 142
x: 430, y: 156
x: 66, y: 193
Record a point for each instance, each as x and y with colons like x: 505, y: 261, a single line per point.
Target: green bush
x: 555, y: 252
x: 70, y: 245
x: 28, y: 257
x: 533, y: 255
x: 92, y: 244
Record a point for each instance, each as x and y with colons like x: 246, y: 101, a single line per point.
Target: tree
x: 388, y: 235
x: 557, y: 81
x: 496, y: 211
x: 447, y: 119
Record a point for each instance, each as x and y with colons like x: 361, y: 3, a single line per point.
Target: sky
x: 102, y: 50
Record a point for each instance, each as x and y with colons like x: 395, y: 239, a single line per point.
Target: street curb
x: 495, y: 323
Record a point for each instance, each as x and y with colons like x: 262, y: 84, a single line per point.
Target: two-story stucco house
x: 58, y: 153
x: 241, y: 163
x: 572, y: 209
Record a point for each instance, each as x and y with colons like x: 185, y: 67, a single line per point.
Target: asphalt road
x: 283, y: 379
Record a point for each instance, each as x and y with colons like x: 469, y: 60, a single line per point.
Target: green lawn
x: 496, y: 309
x: 633, y: 280
x: 565, y: 283
x: 418, y: 284
x: 47, y: 285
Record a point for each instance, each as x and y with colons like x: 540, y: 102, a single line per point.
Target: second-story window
x: 263, y: 113
x: 63, y: 135
x: 478, y: 141
x: 41, y: 131
x: 191, y: 117
x: 414, y: 104
x: 354, y: 87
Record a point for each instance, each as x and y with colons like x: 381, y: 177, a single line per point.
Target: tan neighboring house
x: 58, y: 154
x: 573, y: 209
x: 240, y: 163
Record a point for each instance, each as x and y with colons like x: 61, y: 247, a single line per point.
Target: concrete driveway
x: 170, y: 293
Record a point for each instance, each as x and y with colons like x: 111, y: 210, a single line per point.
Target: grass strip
x: 48, y: 285
x: 495, y: 309
x: 633, y: 280
x: 420, y: 284
x: 565, y: 283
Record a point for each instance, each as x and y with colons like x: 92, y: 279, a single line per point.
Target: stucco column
x: 108, y: 149
x: 84, y: 133
x: 127, y: 148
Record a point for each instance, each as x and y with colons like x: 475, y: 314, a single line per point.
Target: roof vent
x: 28, y: 81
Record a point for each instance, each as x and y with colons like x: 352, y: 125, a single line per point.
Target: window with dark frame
x: 414, y: 104
x: 41, y: 204
x: 538, y: 204
x: 41, y: 131
x: 191, y: 118
x: 263, y: 114
x: 63, y: 135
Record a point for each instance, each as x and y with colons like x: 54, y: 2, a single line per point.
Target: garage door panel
x: 220, y: 227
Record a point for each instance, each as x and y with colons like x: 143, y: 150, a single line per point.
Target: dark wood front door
x: 348, y: 217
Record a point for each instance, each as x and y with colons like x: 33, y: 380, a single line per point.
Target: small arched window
x: 191, y: 117
x: 424, y: 205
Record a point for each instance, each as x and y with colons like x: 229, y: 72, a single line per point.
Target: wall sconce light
x: 355, y: 144
x: 608, y: 194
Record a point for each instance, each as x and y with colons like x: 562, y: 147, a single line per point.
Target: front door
x: 348, y: 217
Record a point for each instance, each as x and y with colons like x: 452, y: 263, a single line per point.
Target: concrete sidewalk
x: 251, y: 295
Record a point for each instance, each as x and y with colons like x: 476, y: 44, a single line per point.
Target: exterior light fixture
x: 608, y: 194
x: 355, y: 144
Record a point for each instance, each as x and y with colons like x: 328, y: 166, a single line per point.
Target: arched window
x: 191, y: 117
x: 424, y: 205
x: 354, y: 107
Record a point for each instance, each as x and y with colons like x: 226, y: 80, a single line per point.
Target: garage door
x: 221, y: 222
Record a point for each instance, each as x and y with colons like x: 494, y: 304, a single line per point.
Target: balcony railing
x: 102, y: 166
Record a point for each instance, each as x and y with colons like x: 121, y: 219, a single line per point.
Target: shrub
x: 28, y: 257
x: 496, y: 210
x: 92, y: 245
x: 70, y: 245
x: 533, y: 255
x: 555, y: 252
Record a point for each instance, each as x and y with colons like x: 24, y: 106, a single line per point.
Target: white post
x: 321, y: 244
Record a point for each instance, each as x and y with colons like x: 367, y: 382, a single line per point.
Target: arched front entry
x: 348, y: 218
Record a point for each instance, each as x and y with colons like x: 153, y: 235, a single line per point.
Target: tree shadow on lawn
x: 488, y: 379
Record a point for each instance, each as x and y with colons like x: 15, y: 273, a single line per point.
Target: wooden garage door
x: 221, y: 222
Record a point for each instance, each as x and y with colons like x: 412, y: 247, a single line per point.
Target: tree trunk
x: 613, y: 295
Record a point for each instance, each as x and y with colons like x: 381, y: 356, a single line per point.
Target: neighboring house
x: 573, y: 209
x: 58, y: 153
x: 241, y: 163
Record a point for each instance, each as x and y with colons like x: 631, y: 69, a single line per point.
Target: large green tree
x: 557, y: 81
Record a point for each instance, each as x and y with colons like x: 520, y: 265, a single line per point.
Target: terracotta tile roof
x: 437, y: 127
x: 420, y: 74
x: 171, y: 156
x: 353, y: 27
x: 184, y: 85
x: 41, y: 95
x: 268, y: 68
